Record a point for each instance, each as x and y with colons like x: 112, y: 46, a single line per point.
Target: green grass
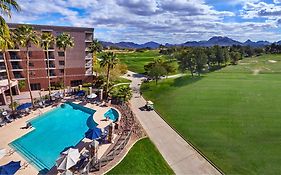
x: 143, y: 158
x: 136, y: 60
x: 233, y: 115
x: 121, y: 80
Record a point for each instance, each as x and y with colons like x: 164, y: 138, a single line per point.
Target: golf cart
x: 149, y: 106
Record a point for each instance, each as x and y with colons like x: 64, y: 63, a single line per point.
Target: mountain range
x: 217, y: 40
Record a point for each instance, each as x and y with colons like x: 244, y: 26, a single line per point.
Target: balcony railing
x: 88, y: 64
x: 89, y: 56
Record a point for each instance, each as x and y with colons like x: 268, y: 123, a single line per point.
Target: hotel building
x: 78, y: 61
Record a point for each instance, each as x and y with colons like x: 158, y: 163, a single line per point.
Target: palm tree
x: 25, y: 36
x: 47, y: 39
x: 5, y: 43
x: 109, y: 61
x: 6, y: 7
x: 95, y: 47
x: 64, y: 41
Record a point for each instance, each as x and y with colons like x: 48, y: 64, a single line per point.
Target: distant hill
x: 151, y: 44
x: 256, y: 44
x: 216, y: 40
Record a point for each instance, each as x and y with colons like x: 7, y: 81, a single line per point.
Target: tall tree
x: 95, y: 47
x: 234, y: 57
x: 25, y: 36
x: 6, y: 7
x: 47, y: 40
x: 64, y: 41
x: 187, y: 62
x: 200, y: 59
x: 108, y: 61
x: 156, y: 71
x: 6, y: 43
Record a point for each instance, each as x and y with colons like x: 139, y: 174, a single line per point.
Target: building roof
x: 55, y: 28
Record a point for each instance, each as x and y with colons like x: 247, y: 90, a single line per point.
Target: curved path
x: 181, y: 157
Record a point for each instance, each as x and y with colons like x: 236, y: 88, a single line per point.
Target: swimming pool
x: 112, y: 114
x: 54, y: 131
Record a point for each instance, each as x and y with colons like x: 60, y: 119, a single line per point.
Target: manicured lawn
x: 136, y: 60
x: 233, y: 115
x: 121, y: 80
x: 143, y: 158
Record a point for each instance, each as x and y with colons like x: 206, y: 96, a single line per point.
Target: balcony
x: 1, y: 57
x: 89, y: 37
x: 16, y: 67
x: 14, y: 56
x: 51, y: 55
x: 52, y: 73
x: 18, y: 75
x: 89, y: 56
x: 89, y: 71
x: 89, y: 64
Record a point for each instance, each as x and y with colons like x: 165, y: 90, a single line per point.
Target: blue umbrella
x: 10, y: 168
x: 81, y: 93
x: 93, y: 133
x: 24, y: 106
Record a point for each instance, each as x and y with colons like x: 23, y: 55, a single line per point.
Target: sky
x: 162, y: 21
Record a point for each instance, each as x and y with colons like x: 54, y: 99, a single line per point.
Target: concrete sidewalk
x: 181, y: 157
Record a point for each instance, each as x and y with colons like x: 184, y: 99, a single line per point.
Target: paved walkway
x: 181, y: 157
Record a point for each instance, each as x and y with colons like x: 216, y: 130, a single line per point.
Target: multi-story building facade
x: 78, y: 64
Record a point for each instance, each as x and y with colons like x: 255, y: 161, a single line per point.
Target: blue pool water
x: 112, y: 114
x: 54, y: 131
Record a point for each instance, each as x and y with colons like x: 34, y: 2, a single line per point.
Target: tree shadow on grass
x: 186, y: 80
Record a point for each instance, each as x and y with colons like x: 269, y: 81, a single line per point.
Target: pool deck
x: 14, y: 130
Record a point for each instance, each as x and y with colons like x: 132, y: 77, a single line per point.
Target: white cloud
x: 171, y: 21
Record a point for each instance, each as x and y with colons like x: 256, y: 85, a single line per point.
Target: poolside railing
x: 130, y: 126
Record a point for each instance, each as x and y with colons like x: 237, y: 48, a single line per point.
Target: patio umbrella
x: 92, y: 96
x: 2, y: 153
x: 93, y: 133
x: 68, y: 159
x: 10, y: 168
x: 24, y: 106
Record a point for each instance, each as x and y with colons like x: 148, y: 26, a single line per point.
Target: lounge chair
x: 8, y: 118
x: 2, y: 122
x: 24, y: 165
x: 10, y: 152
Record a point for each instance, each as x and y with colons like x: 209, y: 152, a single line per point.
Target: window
x: 76, y: 82
x: 61, y: 71
x: 52, y: 73
x: 14, y: 56
x: 3, y: 76
x: 35, y: 86
x: 2, y: 66
x: 31, y: 64
x: 1, y: 56
x: 61, y: 54
x: 61, y: 63
x: 17, y: 75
